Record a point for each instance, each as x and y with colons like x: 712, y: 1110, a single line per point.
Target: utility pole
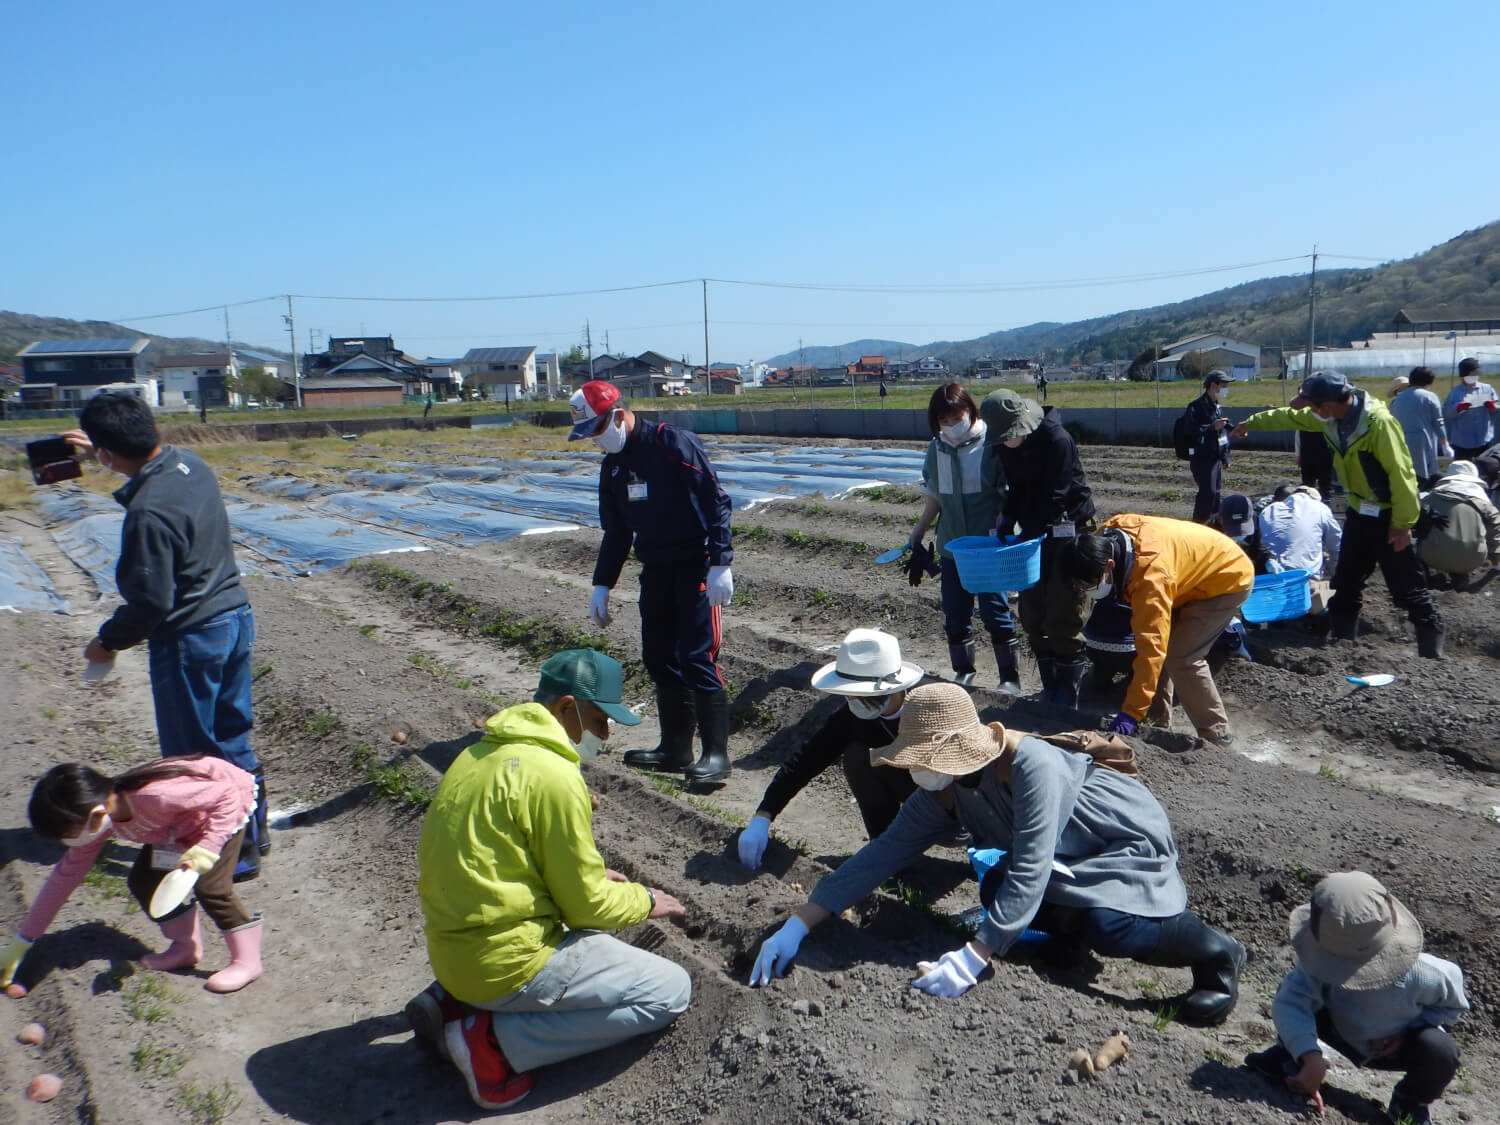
x: 588, y: 334
x: 1312, y: 311
x: 291, y: 327
x: 708, y: 368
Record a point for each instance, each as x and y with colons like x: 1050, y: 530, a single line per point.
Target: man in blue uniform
x: 659, y: 494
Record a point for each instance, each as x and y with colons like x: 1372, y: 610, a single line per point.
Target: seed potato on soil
x: 1395, y: 781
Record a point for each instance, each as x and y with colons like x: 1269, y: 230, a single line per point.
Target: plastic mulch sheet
x: 23, y: 584
x: 306, y: 541
x: 439, y: 519
x: 564, y: 505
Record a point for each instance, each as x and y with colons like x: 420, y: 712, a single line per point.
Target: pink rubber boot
x: 186, y: 949
x: 244, y: 959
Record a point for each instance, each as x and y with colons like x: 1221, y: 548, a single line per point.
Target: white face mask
x: 89, y: 837
x: 1101, y: 591
x: 611, y: 439
x: 868, y: 708
x: 957, y: 433
x: 931, y: 780
x: 1471, y: 380
x: 589, y: 745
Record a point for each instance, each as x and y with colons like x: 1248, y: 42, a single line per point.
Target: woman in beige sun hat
x: 1040, y: 803
x: 1363, y: 984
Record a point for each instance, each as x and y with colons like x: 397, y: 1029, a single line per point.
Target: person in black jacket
x: 182, y: 594
x: 659, y: 494
x: 1210, y: 444
x: 873, y: 679
x: 1048, y: 496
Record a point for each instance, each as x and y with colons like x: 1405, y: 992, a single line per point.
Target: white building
x: 195, y: 380
x: 549, y: 373
x: 1235, y: 358
x: 498, y: 367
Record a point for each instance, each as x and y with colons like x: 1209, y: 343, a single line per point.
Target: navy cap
x: 586, y: 673
x: 1324, y: 386
x: 1216, y: 376
x: 1234, y: 514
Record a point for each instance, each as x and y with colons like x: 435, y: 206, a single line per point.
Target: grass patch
x: 1169, y: 495
x: 755, y: 533
x: 366, y: 630
x: 710, y: 809
x: 156, y: 1061
x: 322, y: 724
x: 363, y: 754
x: 820, y: 598
x: 1148, y: 986
x: 910, y: 897
x: 262, y: 672
x: 665, y: 784
x: 208, y: 1105
x: 1325, y: 769
x: 889, y: 494
x: 150, y: 1000
x: 402, y: 783
x: 1165, y: 1014
x: 49, y: 713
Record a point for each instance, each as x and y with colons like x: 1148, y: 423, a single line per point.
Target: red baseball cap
x: 589, y: 403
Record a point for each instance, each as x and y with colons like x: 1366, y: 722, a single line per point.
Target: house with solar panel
x: 63, y: 374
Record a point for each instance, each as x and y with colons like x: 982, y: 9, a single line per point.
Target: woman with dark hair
x: 190, y: 813
x: 967, y: 489
x: 1420, y: 413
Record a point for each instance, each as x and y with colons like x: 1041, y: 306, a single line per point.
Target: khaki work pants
x: 1195, y: 628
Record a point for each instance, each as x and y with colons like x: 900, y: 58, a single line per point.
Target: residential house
x: 355, y: 387
x: 867, y: 369
x: 929, y: 367
x: 196, y: 379
x: 444, y: 377
x: 724, y: 379
x: 1236, y: 358
x: 374, y: 356
x: 499, y: 369
x: 62, y: 374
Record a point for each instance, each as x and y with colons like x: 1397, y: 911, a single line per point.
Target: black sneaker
x: 1407, y: 1113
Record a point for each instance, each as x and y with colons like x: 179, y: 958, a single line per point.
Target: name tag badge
x: 636, y: 490
x: 1223, y: 439
x: 1370, y: 508
x: 1064, y: 531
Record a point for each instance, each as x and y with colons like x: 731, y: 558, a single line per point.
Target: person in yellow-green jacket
x: 515, y: 896
x: 1375, y: 468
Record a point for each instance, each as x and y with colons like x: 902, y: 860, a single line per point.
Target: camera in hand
x: 52, y: 460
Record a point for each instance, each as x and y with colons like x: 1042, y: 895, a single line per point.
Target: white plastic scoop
x: 172, y: 891
x: 1372, y: 679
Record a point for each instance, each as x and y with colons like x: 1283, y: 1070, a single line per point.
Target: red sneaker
x: 429, y: 1011
x: 472, y: 1048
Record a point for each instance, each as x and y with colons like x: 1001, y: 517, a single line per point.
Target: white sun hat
x: 868, y: 663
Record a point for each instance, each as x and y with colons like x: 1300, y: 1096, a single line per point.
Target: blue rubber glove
x: 753, y: 841
x: 777, y: 951
x: 1123, y: 724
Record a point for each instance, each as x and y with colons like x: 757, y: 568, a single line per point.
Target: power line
x: 189, y: 312
x: 508, y: 296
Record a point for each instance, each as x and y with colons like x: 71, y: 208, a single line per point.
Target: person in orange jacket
x: 1184, y: 583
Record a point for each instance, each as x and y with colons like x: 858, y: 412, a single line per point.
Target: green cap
x: 586, y: 673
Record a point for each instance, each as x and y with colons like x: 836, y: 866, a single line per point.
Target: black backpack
x: 1182, y: 437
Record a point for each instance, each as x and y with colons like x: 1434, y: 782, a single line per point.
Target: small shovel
x: 1369, y: 679
x: 890, y: 556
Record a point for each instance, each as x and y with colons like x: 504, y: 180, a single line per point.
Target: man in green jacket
x: 514, y: 896
x: 1375, y: 468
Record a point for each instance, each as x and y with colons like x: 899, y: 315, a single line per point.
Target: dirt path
x: 349, y: 657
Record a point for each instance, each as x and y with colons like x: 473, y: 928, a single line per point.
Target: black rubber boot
x: 1070, y: 677
x: 713, y: 731
x: 675, y: 712
x: 247, y: 867
x: 961, y: 656
x: 1216, y: 960
x: 262, y: 812
x: 1005, y: 659
x: 1046, y: 670
x: 1342, y: 629
x: 1430, y: 639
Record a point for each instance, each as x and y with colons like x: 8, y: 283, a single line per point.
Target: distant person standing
x: 1469, y: 411
x: 1209, y: 444
x: 659, y: 495
x: 203, y: 412
x: 883, y: 392
x: 1314, y: 458
x: 1041, y: 383
x: 428, y: 408
x: 1421, y: 417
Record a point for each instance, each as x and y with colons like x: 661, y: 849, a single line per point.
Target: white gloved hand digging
x: 951, y: 975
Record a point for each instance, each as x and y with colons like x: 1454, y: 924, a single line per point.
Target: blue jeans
x: 200, y: 682
x: 958, y: 609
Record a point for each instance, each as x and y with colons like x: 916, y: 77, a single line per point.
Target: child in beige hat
x: 1363, y: 985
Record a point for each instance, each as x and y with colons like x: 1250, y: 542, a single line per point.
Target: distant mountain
x: 833, y: 356
x: 19, y: 329
x: 1271, y: 312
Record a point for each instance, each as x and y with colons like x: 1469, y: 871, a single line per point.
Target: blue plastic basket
x: 1278, y: 597
x: 996, y: 566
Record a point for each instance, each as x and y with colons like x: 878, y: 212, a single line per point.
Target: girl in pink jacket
x: 189, y: 812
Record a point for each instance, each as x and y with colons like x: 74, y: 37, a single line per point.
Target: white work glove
x: 753, y: 841
x: 11, y: 958
x: 1446, y: 451
x: 951, y: 975
x: 599, y: 607
x: 720, y: 585
x: 777, y: 951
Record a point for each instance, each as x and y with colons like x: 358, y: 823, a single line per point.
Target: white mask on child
x: 89, y: 837
x: 1471, y: 380
x: 868, y: 708
x: 1101, y: 591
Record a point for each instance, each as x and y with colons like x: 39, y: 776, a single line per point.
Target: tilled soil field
x: 1398, y: 782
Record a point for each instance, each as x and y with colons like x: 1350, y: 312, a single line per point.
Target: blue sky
x: 171, y: 156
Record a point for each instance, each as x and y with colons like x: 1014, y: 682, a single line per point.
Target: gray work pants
x: 593, y: 992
